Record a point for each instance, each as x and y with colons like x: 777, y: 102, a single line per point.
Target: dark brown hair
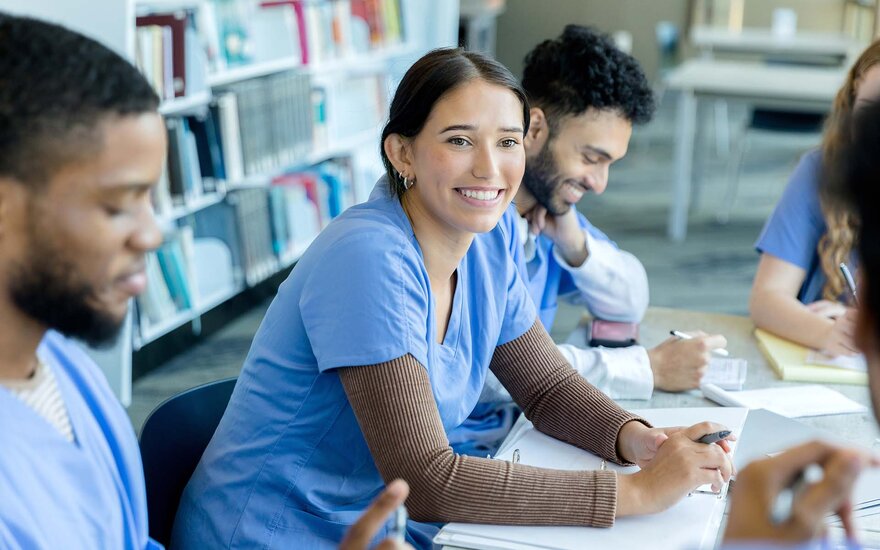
x: 430, y: 78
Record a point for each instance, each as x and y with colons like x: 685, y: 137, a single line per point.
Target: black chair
x: 172, y: 441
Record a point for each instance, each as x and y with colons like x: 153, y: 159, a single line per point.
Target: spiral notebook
x: 692, y: 523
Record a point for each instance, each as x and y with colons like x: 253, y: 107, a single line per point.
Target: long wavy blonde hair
x: 839, y: 239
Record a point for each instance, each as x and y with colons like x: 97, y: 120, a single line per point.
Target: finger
x: 714, y: 457
x: 541, y: 218
x: 362, y: 532
x: 841, y: 470
x: 657, y: 440
x: 717, y: 482
x: 787, y: 465
x: 845, y: 514
x: 714, y: 341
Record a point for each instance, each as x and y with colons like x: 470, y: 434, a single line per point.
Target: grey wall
x: 525, y: 23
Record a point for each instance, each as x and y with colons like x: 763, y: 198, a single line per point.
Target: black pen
x: 714, y: 437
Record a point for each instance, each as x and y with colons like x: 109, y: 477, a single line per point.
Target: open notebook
x: 692, y: 523
x: 795, y: 362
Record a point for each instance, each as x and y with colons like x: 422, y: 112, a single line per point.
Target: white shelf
x: 166, y: 221
x: 358, y: 62
x: 362, y: 61
x: 325, y: 153
x: 186, y: 104
x: 150, y: 333
x: 145, y: 7
x: 254, y: 70
x: 196, y: 204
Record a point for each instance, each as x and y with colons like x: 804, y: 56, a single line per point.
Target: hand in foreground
x: 360, y: 534
x: 679, y: 365
x: 758, y: 485
x: 841, y: 335
x: 827, y: 308
x: 678, y: 466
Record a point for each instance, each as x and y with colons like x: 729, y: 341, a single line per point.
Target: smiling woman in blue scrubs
x: 379, y: 343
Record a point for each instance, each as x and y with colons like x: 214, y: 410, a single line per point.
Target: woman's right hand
x: 840, y: 339
x: 680, y: 466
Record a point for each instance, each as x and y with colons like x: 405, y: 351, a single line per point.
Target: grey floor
x: 711, y: 271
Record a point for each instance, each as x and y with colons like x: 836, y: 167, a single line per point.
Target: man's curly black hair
x: 56, y: 87
x: 583, y: 69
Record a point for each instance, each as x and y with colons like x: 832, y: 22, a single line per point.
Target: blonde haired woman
x: 798, y: 291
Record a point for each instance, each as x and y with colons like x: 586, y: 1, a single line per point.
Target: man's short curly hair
x: 583, y: 69
x: 56, y: 87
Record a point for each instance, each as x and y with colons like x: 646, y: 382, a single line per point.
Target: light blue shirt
x: 289, y: 466
x: 82, y: 495
x: 793, y: 231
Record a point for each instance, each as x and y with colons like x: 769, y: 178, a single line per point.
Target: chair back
x: 172, y: 441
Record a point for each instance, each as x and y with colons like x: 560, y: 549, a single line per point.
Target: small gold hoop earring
x: 407, y: 183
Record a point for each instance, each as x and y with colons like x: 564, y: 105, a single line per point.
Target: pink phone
x: 612, y: 334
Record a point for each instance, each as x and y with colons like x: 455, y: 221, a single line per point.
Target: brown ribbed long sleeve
x: 398, y: 416
x: 558, y: 400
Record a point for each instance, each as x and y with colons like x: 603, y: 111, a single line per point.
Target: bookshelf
x: 274, y: 110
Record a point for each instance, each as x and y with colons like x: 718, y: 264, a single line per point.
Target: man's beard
x: 48, y: 290
x: 542, y: 180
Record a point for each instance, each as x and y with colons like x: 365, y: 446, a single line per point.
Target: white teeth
x: 480, y: 195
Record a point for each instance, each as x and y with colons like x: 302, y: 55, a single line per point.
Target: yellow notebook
x: 789, y: 360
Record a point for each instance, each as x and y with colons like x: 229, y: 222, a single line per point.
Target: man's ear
x: 399, y: 151
x: 539, y: 131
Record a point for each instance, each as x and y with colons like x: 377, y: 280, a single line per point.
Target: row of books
x: 240, y: 32
x: 264, y: 227
x: 265, y: 123
x: 169, y: 54
x: 254, y: 127
x: 186, y: 274
x: 170, y: 272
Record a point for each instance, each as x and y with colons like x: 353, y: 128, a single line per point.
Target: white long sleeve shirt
x: 612, y: 285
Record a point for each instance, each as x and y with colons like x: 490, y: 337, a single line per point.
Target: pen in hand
x: 685, y: 336
x: 398, y: 528
x: 850, y: 282
x: 714, y: 437
x: 782, y: 506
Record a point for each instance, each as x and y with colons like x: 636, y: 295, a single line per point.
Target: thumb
x: 656, y: 441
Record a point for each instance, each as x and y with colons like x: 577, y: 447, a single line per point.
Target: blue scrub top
x: 546, y: 279
x: 796, y: 225
x: 82, y: 495
x: 288, y: 466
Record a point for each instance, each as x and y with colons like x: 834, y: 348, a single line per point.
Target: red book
x: 177, y: 22
x: 297, y: 7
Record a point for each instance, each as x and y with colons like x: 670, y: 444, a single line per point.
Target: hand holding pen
x: 388, y: 504
x: 775, y: 502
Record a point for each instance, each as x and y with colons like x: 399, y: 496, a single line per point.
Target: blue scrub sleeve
x: 794, y: 228
x: 366, y: 302
x: 519, y: 311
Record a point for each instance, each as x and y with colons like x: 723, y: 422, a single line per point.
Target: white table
x: 763, y: 41
x: 856, y: 428
x: 762, y: 85
x: 859, y: 429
